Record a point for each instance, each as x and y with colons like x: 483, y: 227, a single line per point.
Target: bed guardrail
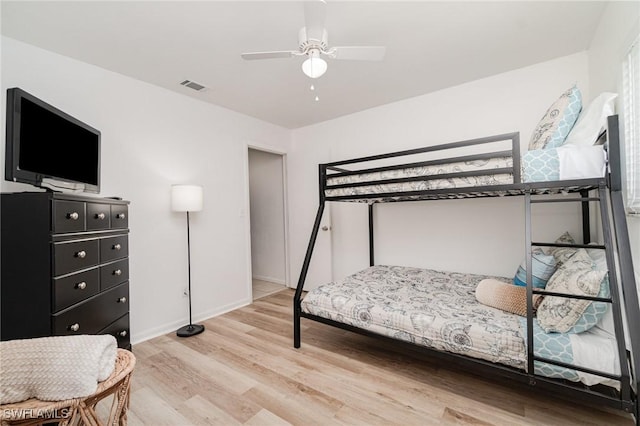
x: 439, y: 173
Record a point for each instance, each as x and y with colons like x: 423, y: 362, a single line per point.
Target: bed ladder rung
x: 573, y: 296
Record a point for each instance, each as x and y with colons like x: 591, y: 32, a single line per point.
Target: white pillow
x: 599, y: 258
x: 592, y: 121
x: 581, y: 162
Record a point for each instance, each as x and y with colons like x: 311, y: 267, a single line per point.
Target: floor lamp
x: 187, y: 198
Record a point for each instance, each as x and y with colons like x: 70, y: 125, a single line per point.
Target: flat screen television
x: 48, y: 148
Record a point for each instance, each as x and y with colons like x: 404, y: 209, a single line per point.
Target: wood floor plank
x: 272, y: 368
x: 355, y: 416
x: 292, y: 409
x: 244, y: 370
x: 202, y: 412
x: 189, y: 381
x: 266, y: 418
x: 216, y: 371
x: 459, y: 418
x: 152, y: 410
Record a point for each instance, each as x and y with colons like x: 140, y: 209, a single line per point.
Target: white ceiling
x: 430, y: 46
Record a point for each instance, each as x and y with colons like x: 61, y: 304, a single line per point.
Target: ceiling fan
x: 313, y: 44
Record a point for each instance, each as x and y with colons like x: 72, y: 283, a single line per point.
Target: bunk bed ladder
x: 614, y: 299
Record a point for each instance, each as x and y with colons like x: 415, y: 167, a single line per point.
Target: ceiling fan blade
x: 267, y: 55
x: 358, y: 53
x: 315, y: 13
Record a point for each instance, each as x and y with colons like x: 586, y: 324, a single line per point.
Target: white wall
x: 267, y: 216
x: 481, y: 236
x: 152, y: 138
x: 618, y: 28
x: 302, y: 168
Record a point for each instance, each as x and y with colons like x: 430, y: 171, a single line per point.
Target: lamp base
x: 190, y: 330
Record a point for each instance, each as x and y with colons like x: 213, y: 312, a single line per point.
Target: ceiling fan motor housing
x: 306, y: 44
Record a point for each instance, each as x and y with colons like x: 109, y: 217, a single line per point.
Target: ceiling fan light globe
x: 314, y: 67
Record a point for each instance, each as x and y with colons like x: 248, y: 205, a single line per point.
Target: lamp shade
x: 186, y: 198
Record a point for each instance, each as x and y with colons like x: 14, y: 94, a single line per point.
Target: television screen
x: 44, y: 143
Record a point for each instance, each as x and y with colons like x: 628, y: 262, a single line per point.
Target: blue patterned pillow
x: 554, y: 346
x: 541, y: 165
x: 554, y: 127
x: 542, y: 267
x: 594, y: 312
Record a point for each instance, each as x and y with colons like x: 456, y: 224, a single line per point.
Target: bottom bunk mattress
x: 439, y: 310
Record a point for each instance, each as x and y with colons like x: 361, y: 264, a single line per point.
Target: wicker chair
x: 79, y: 411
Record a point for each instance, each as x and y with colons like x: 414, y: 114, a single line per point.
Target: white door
x: 320, y: 269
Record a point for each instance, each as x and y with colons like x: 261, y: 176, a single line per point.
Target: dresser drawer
x: 119, y: 216
x: 68, y: 216
x: 69, y: 257
x: 120, y: 330
x: 113, y: 248
x: 98, y: 216
x: 114, y: 273
x: 94, y: 314
x: 75, y: 288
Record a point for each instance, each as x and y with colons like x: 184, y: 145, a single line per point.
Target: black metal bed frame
x: 615, y: 233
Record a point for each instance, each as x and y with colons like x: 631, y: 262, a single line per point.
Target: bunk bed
x: 437, y: 312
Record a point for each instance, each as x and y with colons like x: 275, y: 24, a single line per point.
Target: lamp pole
x: 188, y: 198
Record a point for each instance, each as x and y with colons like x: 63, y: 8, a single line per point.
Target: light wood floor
x: 264, y: 288
x: 244, y: 370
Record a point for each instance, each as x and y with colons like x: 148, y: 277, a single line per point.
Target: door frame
x: 283, y: 154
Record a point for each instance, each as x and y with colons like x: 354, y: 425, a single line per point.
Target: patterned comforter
x: 424, y: 307
x: 439, y: 310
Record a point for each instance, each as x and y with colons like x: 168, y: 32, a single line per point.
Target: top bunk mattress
x: 462, y: 174
x: 486, y: 177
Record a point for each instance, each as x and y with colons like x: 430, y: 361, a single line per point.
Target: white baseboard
x: 269, y: 279
x: 148, y: 334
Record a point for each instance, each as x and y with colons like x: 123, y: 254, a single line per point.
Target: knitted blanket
x: 54, y: 368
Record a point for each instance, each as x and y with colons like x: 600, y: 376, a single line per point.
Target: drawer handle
x: 123, y: 333
x: 122, y: 300
x: 81, y: 254
x: 81, y: 286
x: 120, y: 216
x: 100, y: 216
x: 73, y: 216
x: 116, y: 247
x: 74, y: 327
x: 117, y: 272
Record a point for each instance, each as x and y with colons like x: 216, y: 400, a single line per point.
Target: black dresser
x: 64, y: 266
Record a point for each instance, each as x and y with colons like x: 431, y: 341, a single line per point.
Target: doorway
x: 267, y: 207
